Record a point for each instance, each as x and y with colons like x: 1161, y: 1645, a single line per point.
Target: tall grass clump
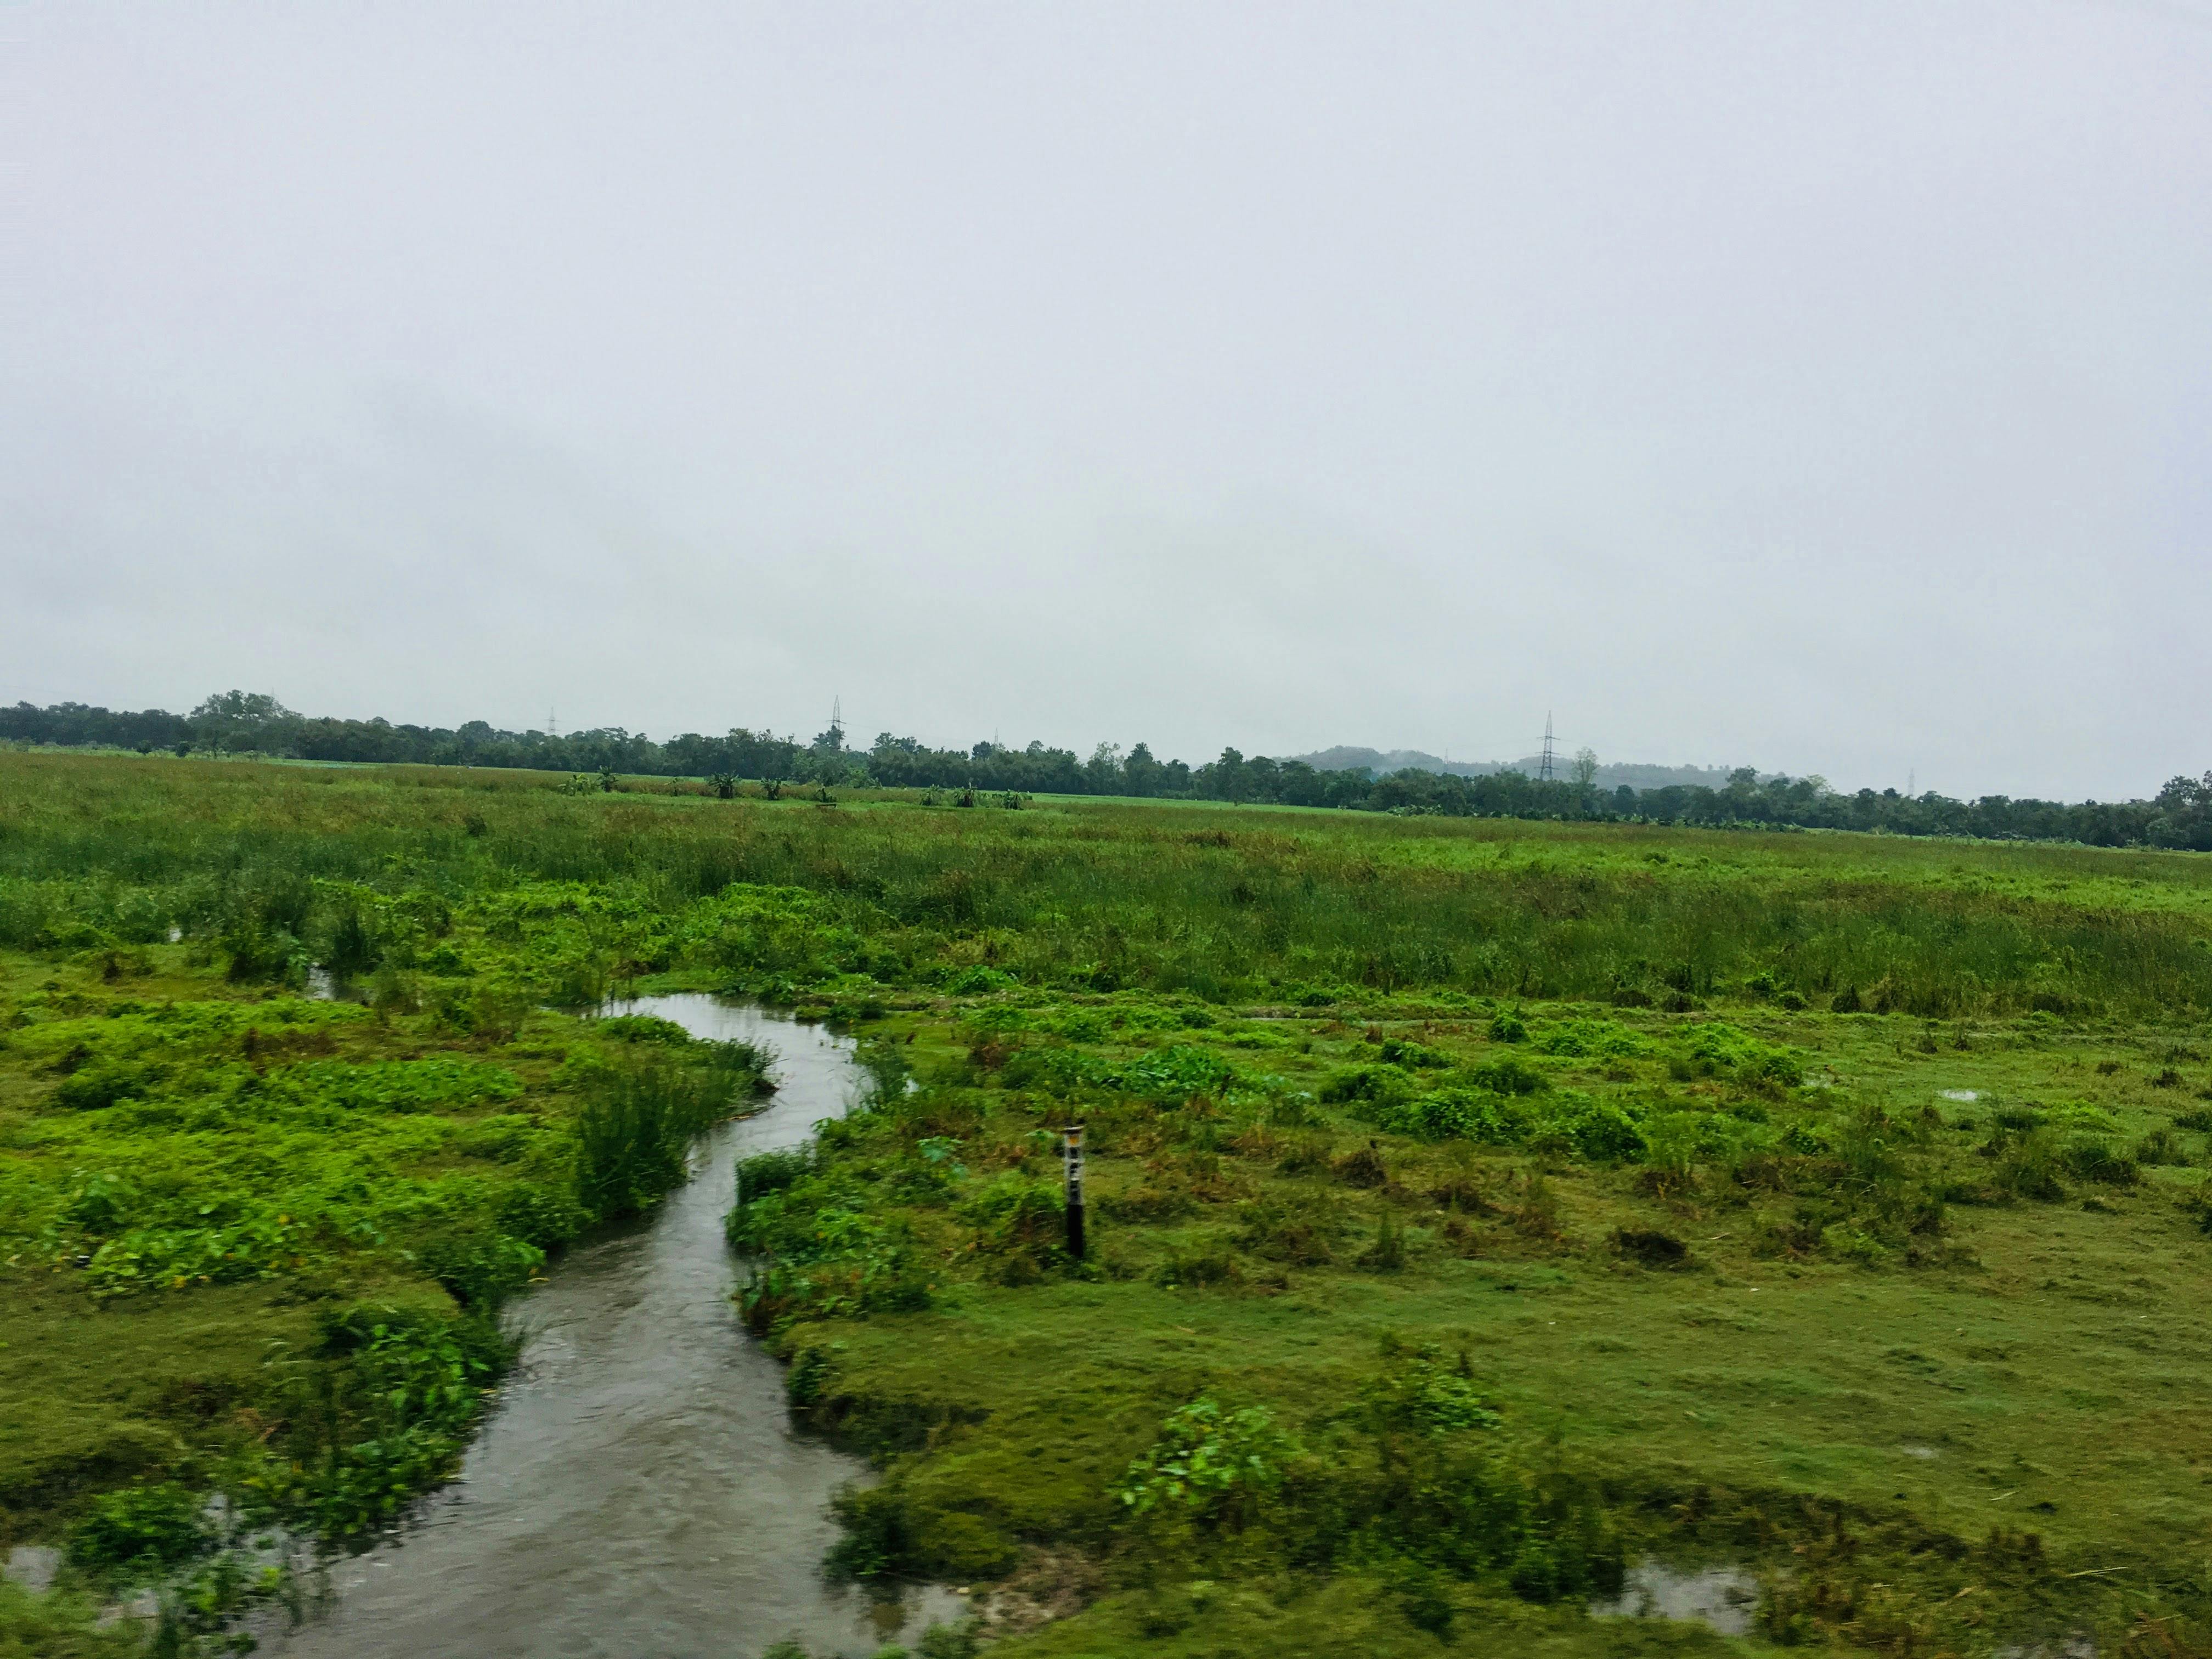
x: 635, y: 1131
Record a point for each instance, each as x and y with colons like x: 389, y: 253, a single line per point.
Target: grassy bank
x: 1930, y: 1366
x: 1480, y: 1207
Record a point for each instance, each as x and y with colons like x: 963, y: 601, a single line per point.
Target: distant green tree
x: 1141, y: 774
x: 1104, y: 770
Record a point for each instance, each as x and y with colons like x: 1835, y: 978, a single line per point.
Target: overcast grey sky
x: 1821, y: 385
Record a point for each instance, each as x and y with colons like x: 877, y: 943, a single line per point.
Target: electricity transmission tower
x: 1544, y: 764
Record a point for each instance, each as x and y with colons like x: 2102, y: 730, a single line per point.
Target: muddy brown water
x: 638, y: 1490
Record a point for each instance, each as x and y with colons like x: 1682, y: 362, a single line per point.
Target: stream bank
x: 639, y: 1488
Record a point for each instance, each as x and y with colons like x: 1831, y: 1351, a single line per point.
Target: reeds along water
x: 1218, y: 902
x: 634, y: 1132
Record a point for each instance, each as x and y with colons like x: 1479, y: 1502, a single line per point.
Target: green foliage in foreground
x: 1558, y: 1194
x: 1714, y: 1332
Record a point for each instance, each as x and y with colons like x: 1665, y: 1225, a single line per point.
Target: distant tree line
x: 240, y: 722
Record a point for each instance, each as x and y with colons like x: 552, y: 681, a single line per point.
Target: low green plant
x: 1216, y: 1466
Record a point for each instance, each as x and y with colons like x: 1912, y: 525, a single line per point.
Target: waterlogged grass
x: 1216, y: 902
x: 252, y: 1245
x: 1795, y: 1301
x: 1477, y: 1207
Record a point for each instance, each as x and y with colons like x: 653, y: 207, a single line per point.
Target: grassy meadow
x: 1480, y: 1210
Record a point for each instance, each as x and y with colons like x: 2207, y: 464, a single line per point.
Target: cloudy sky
x: 1821, y: 385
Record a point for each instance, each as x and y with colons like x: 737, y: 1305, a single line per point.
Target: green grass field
x: 1513, y: 1201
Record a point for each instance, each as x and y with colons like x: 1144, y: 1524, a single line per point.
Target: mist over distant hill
x: 1635, y: 775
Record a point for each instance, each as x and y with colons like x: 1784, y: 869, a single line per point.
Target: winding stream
x: 639, y: 1490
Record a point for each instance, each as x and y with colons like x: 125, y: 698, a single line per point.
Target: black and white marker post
x: 1071, y: 1146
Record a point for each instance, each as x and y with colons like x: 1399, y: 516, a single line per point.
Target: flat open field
x: 1480, y: 1211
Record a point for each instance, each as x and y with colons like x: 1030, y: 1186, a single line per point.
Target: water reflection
x: 1723, y: 1597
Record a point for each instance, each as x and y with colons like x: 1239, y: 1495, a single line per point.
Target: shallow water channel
x: 638, y: 1489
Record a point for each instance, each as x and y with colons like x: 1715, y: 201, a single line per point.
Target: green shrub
x: 2032, y: 1165
x: 2090, y: 1158
x: 141, y: 1526
x: 1021, y: 1221
x: 353, y: 948
x: 1509, y: 1076
x: 100, y: 1085
x: 2161, y: 1146
x: 1399, y: 1051
x: 1598, y: 1130
x: 1422, y: 1393
x: 481, y: 1268
x: 545, y: 1216
x: 772, y: 1171
x: 1386, y: 1253
x: 1215, y: 1466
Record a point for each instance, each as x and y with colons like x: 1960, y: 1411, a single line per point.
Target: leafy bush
x: 1423, y: 1394
x: 1215, y: 1466
x: 1509, y: 1076
x: 1021, y: 1221
x: 141, y: 1526
x: 1591, y: 1039
x: 1401, y: 1051
x: 1597, y: 1130
x: 1173, y: 1073
x: 772, y: 1172
x: 383, y: 1410
x: 1716, y: 1048
x: 2030, y: 1167
x: 100, y: 1085
x: 1460, y: 1114
x: 644, y: 1028
x: 481, y: 1268
x: 546, y: 1216
x: 823, y: 1252
x: 2090, y: 1158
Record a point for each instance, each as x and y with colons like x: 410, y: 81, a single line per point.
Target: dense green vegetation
x: 238, y: 722
x: 1479, y: 1206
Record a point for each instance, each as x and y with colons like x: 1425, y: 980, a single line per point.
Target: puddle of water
x: 1959, y: 1094
x: 639, y: 1489
x: 2079, y: 1645
x: 32, y: 1566
x: 1721, y: 1597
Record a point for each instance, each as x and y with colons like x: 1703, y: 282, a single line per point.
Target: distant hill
x: 1635, y: 775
